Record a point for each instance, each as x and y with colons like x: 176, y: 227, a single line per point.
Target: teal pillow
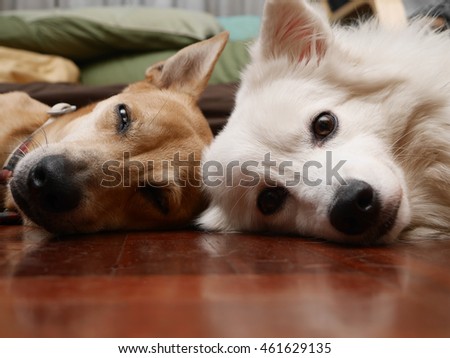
x: 241, y: 28
x: 90, y: 33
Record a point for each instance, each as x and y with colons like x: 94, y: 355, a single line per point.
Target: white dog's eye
x: 271, y: 200
x: 123, y: 118
x: 324, y: 124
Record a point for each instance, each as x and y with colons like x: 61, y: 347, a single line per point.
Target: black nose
x: 355, y: 209
x: 271, y: 200
x: 51, y: 183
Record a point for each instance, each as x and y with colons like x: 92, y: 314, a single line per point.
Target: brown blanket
x: 216, y: 103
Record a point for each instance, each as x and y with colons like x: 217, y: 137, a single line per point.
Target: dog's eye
x: 157, y: 196
x: 123, y: 118
x: 271, y: 200
x: 324, y: 124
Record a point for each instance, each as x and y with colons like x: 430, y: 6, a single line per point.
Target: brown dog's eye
x: 157, y: 196
x: 324, y: 124
x: 123, y: 118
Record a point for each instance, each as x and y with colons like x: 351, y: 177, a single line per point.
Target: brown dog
x: 128, y: 162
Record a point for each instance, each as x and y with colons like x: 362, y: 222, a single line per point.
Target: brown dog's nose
x: 355, y: 209
x: 51, y: 183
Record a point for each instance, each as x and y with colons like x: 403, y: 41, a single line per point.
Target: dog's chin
x: 54, y: 225
x: 395, y: 223
x: 33, y: 216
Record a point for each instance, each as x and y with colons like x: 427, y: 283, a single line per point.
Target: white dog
x: 337, y: 133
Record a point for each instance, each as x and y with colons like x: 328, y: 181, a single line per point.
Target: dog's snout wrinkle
x: 355, y: 209
x: 50, y: 182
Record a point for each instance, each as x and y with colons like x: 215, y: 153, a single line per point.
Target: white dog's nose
x: 355, y: 209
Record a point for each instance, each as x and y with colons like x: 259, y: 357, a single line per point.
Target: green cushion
x: 131, y: 68
x: 89, y: 33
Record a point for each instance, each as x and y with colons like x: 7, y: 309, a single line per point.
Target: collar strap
x: 13, y: 159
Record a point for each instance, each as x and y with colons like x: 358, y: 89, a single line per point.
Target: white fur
x: 389, y: 88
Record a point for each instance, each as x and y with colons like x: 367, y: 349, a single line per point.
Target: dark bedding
x: 216, y: 103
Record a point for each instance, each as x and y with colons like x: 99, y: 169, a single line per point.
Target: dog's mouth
x: 388, y: 220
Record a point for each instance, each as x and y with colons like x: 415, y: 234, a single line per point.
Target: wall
x: 217, y: 7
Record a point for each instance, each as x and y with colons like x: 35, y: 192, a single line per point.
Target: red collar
x: 12, y: 217
x: 8, y: 169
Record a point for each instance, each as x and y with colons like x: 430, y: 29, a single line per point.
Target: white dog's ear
x: 190, y: 69
x: 292, y: 28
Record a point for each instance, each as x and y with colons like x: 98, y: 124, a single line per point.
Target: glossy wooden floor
x: 192, y: 284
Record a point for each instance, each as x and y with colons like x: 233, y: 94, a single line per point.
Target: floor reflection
x: 17, y: 243
x: 190, y: 283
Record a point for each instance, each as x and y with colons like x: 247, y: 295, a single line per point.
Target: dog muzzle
x: 7, y: 172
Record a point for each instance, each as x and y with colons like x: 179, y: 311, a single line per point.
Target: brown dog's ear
x: 293, y: 29
x: 189, y: 69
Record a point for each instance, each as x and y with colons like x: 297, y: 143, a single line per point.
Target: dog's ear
x: 189, y: 69
x: 292, y: 28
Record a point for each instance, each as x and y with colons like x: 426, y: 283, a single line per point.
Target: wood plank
x: 194, y: 284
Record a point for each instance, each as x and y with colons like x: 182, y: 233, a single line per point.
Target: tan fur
x: 20, y: 116
x: 165, y: 120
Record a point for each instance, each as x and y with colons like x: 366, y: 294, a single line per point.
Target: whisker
x: 245, y: 193
x: 45, y: 135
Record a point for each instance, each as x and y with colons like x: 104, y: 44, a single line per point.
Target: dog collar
x: 8, y: 169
